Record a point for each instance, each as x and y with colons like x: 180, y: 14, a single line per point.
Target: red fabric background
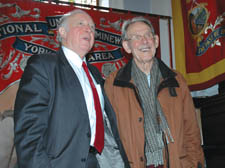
x: 18, y: 29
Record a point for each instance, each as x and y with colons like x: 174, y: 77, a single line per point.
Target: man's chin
x: 86, y: 49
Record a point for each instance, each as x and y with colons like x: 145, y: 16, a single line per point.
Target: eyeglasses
x: 138, y: 37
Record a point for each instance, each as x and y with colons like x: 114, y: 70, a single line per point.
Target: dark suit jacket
x: 52, y: 127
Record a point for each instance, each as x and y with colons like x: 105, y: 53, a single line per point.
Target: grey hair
x: 128, y: 22
x: 63, y: 22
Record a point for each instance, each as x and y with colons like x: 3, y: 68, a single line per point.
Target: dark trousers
x: 92, y: 161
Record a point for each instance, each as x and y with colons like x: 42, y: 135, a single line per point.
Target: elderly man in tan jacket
x: 155, y: 112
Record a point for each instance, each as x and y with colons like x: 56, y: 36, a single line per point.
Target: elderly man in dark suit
x: 63, y: 118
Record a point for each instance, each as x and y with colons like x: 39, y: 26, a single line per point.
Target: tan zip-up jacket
x: 177, y: 105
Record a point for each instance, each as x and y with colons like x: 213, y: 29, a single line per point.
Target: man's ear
x: 126, y: 46
x: 156, y: 39
x: 62, y: 32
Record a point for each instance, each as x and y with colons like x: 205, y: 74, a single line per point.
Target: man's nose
x: 89, y: 28
x: 144, y: 39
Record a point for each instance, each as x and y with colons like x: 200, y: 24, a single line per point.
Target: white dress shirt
x: 76, y: 63
x: 149, y: 79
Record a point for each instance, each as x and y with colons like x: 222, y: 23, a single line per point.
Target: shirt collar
x: 73, y: 57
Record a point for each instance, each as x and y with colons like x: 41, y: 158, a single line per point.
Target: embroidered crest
x: 197, y: 20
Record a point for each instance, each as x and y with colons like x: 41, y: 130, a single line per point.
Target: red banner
x: 203, y: 23
x: 28, y: 27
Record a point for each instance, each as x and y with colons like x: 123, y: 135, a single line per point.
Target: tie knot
x: 84, y: 65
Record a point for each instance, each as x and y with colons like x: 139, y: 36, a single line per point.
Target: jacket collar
x: 123, y: 77
x: 94, y: 71
x: 124, y: 74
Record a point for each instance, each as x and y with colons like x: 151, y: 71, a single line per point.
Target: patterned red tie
x: 99, y: 136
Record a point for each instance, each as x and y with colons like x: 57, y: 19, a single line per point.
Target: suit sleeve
x: 192, y: 138
x: 31, y: 116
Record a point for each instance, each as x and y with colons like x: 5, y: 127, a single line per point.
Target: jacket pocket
x: 185, y: 162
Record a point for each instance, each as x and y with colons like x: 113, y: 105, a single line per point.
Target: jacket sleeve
x: 192, y: 138
x: 108, y: 86
x: 31, y: 116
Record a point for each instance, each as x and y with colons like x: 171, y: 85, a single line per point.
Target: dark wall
x: 213, y: 127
